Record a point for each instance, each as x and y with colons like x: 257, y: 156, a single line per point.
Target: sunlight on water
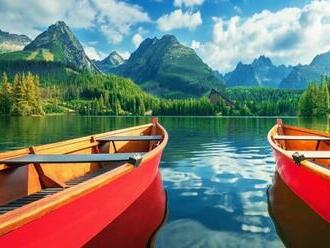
x: 216, y: 172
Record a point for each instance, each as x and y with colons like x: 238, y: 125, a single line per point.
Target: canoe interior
x: 24, y: 182
x: 303, y: 144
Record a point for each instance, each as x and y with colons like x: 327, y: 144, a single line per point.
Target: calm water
x: 216, y: 172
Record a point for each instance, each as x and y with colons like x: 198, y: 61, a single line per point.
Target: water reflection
x: 296, y: 223
x: 216, y: 172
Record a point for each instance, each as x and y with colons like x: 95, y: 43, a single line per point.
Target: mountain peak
x: 169, y: 38
x: 59, y: 40
x: 114, y: 59
x: 12, y: 42
x: 165, y: 65
x: 262, y: 61
x: 261, y: 72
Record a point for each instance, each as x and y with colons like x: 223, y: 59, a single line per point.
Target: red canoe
x: 83, y: 192
x: 303, y: 159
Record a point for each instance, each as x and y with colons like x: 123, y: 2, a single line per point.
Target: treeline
x: 100, y: 94
x: 261, y: 101
x: 21, y: 96
x: 315, y: 100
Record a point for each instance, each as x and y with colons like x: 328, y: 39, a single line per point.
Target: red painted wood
x: 78, y: 222
x: 135, y: 227
x: 312, y: 188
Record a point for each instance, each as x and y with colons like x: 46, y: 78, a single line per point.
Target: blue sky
x: 222, y: 32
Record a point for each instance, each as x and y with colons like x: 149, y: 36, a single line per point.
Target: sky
x: 222, y: 32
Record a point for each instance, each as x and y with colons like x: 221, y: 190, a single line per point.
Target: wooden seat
x: 299, y: 156
x: 131, y: 138
x: 133, y: 158
x: 301, y: 137
x: 113, y: 139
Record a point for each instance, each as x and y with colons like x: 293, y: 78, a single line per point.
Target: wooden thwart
x: 113, y: 139
x: 299, y: 156
x: 131, y: 138
x: 133, y: 158
x: 301, y: 137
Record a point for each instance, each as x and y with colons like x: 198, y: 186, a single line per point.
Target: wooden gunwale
x: 18, y: 217
x: 63, y: 145
x: 313, y: 167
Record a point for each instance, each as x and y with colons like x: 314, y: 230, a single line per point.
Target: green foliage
x: 22, y: 97
x: 64, y: 90
x: 5, y: 95
x: 262, y: 101
x: 315, y: 100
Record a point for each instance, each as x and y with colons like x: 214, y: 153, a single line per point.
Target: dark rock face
x: 302, y: 75
x: 65, y: 47
x: 167, y: 68
x: 261, y: 72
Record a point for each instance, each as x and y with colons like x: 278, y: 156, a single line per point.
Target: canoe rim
x: 313, y: 167
x: 18, y: 217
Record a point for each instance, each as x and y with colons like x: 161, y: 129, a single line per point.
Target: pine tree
x: 322, y: 100
x: 5, y: 95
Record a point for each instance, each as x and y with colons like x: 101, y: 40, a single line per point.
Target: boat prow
x: 66, y: 193
x: 303, y: 162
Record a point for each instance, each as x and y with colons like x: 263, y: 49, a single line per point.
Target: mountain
x: 12, y: 42
x: 110, y: 62
x: 261, y: 72
x: 302, y: 75
x: 167, y: 68
x: 57, y: 44
x: 243, y: 75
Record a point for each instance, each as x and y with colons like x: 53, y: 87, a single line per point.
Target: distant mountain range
x: 261, y: 72
x: 12, y: 42
x: 57, y: 44
x: 164, y: 66
x: 167, y: 68
x: 302, y: 75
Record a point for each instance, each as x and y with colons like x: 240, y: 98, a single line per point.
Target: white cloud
x: 195, y: 44
x: 178, y: 19
x: 92, y: 53
x: 137, y: 39
x: 113, y: 18
x: 124, y: 54
x: 290, y: 36
x: 117, y: 17
x: 187, y: 3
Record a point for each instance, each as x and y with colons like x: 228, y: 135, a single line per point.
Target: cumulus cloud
x: 124, y: 54
x: 117, y: 17
x: 289, y: 36
x: 187, y: 3
x: 137, y: 39
x: 178, y: 20
x: 195, y: 44
x: 92, y: 53
x: 113, y: 18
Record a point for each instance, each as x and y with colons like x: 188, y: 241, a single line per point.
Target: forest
x: 315, y: 100
x: 65, y: 90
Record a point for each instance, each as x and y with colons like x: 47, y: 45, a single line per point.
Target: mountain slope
x: 110, y: 62
x: 302, y: 75
x: 261, y: 72
x: 12, y: 42
x: 167, y: 68
x: 57, y: 44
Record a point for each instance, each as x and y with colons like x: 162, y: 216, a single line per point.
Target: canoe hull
x: 309, y: 186
x: 78, y: 222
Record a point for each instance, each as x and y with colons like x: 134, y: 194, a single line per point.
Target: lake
x: 216, y: 172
